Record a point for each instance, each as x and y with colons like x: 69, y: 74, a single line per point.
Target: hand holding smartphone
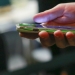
x: 36, y: 28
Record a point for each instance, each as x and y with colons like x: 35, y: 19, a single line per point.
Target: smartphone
x: 36, y: 28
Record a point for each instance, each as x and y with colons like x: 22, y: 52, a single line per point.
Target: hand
x: 62, y: 14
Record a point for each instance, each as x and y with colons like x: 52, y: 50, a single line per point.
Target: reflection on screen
x: 55, y: 27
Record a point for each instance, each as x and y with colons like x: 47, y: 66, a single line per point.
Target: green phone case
x: 35, y: 28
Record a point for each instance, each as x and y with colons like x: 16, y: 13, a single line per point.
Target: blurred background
x: 17, y: 52
x: 15, y: 49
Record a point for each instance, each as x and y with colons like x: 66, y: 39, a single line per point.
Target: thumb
x: 50, y: 14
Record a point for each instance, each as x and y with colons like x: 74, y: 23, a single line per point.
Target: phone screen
x: 54, y: 27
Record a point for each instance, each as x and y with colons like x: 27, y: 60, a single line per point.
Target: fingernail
x: 70, y: 35
x: 58, y: 34
x: 44, y: 34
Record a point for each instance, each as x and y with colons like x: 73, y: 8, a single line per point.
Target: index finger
x: 51, y: 14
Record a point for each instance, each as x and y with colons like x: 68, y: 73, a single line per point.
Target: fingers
x: 57, y: 38
x: 60, y: 40
x: 68, y: 14
x: 46, y: 39
x: 71, y: 38
x: 50, y: 15
x: 29, y: 35
x: 65, y: 19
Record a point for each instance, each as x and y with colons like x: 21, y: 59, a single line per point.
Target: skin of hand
x: 61, y: 14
